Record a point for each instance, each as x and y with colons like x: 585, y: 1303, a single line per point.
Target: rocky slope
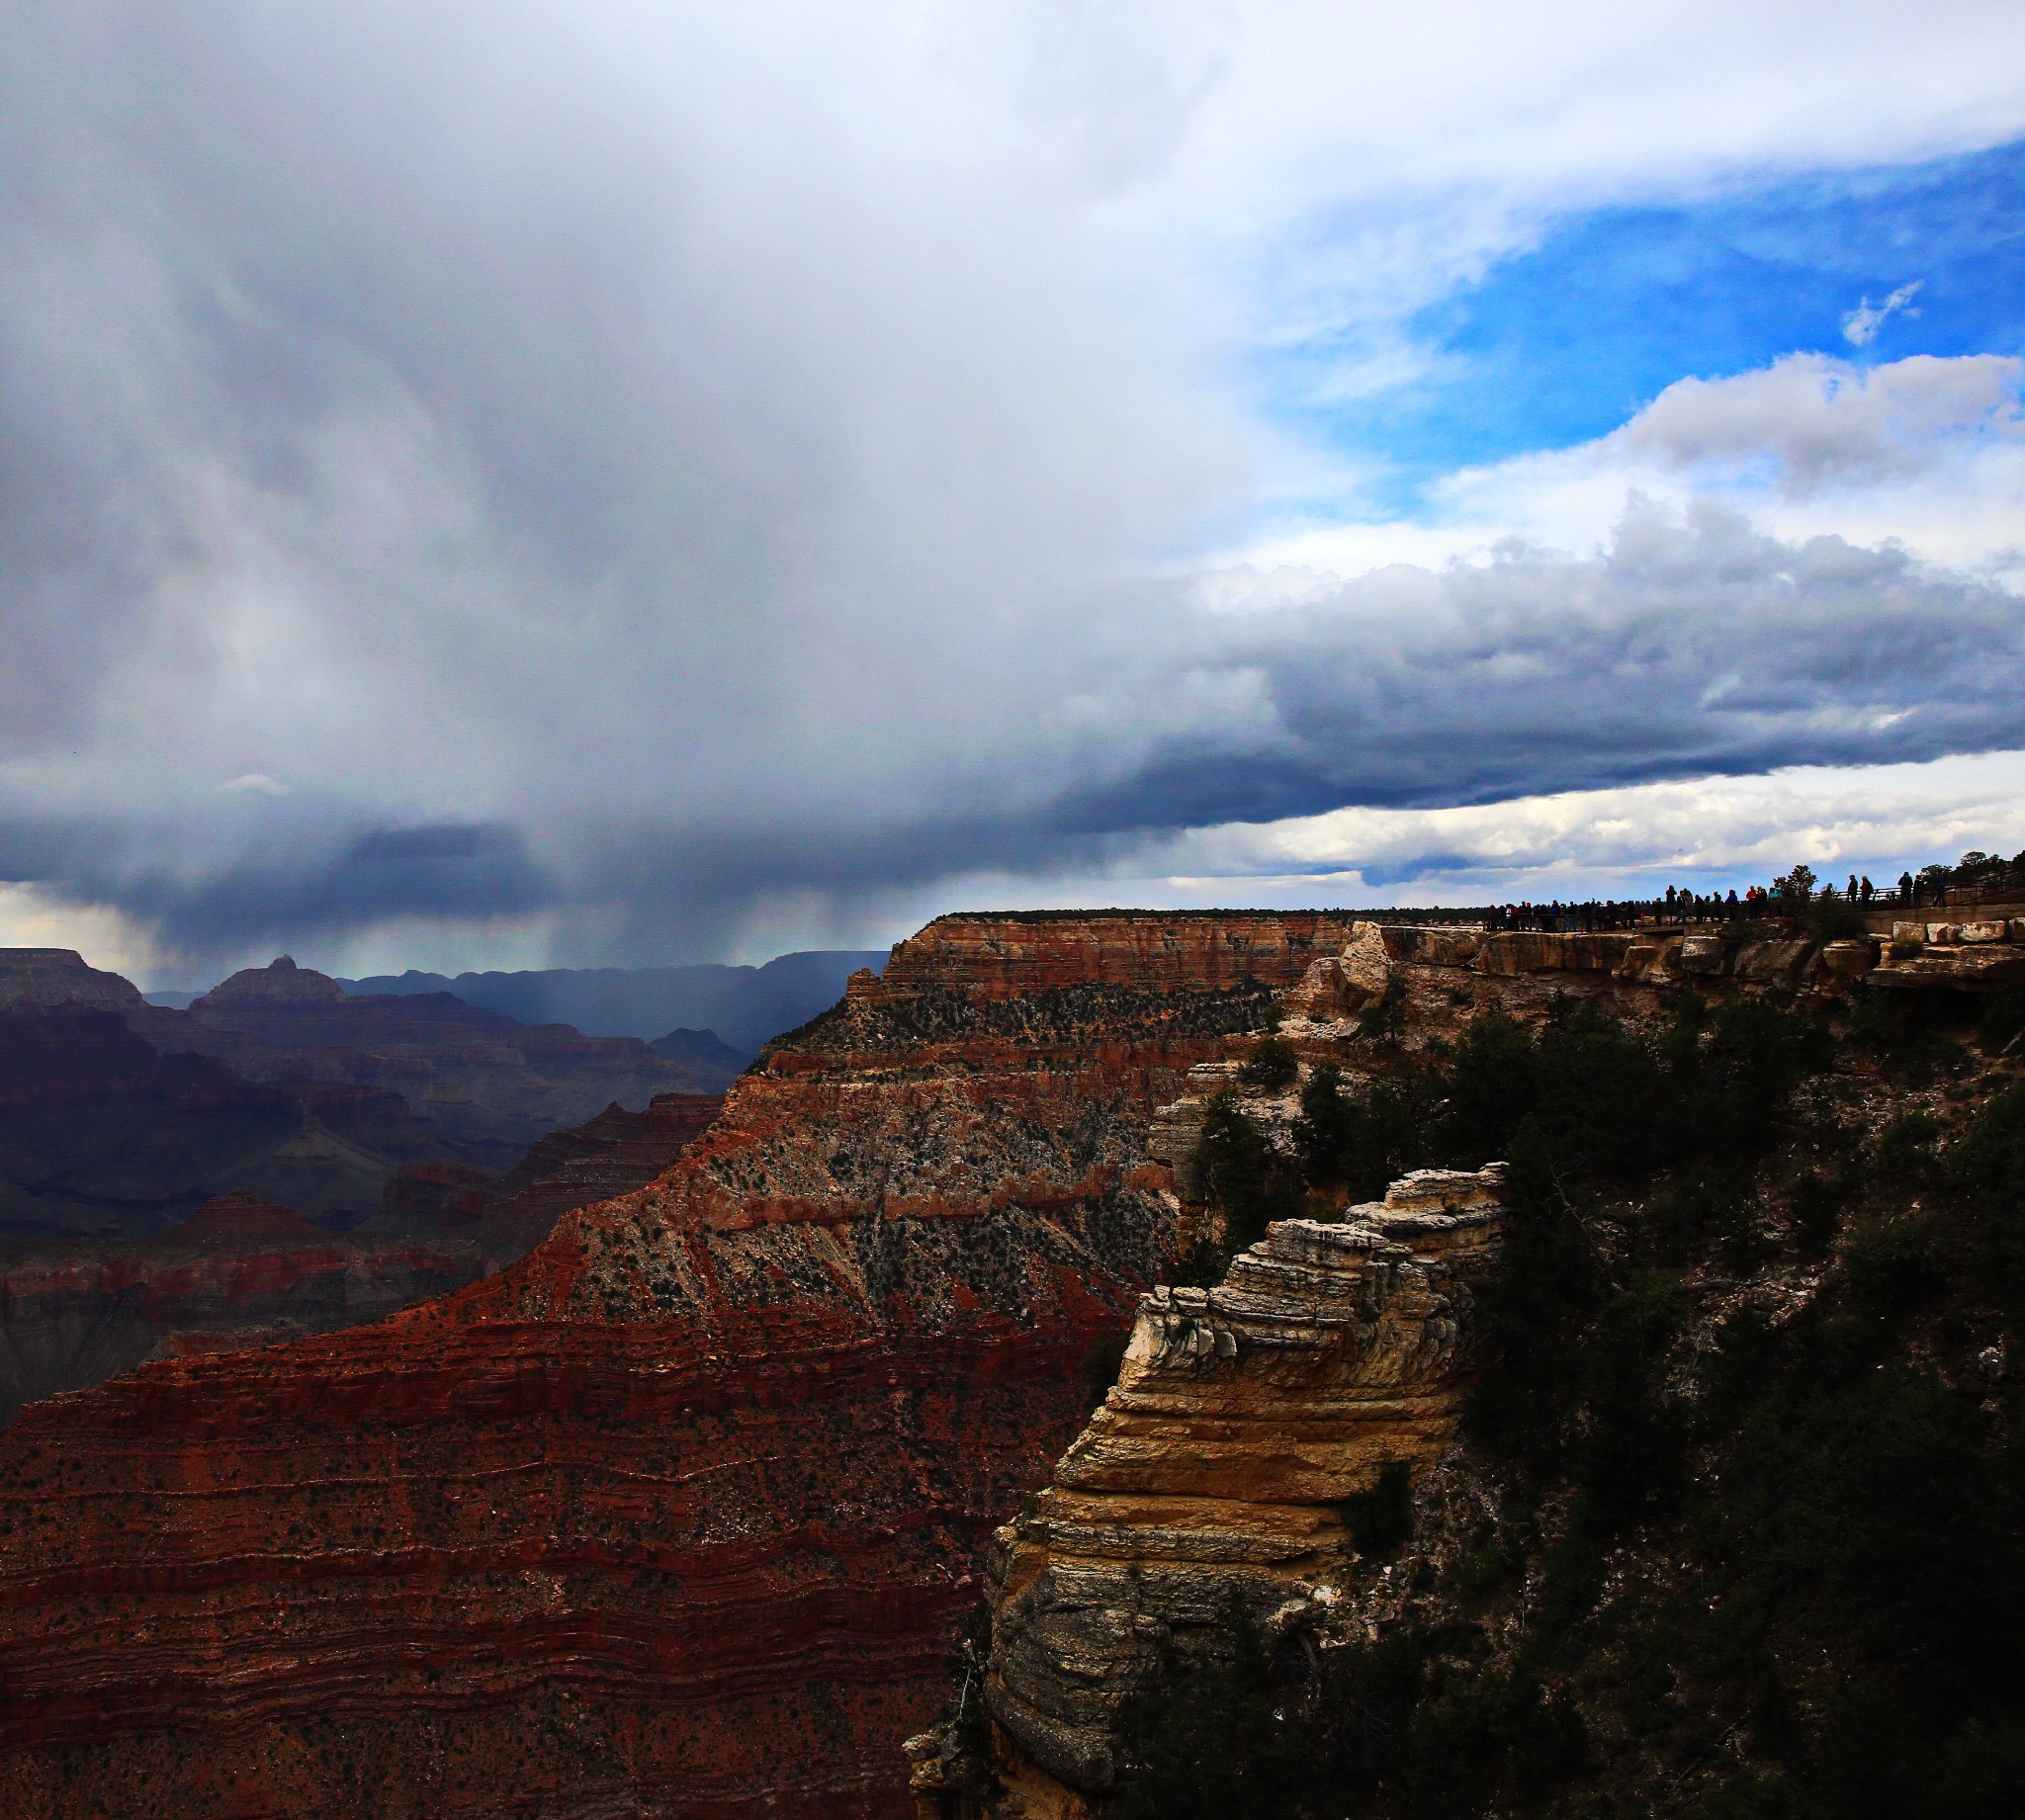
x: 1732, y: 1527
x: 1220, y: 1466
x: 674, y: 1516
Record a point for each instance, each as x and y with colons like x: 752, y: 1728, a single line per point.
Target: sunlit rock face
x: 675, y: 1516
x: 1217, y: 1468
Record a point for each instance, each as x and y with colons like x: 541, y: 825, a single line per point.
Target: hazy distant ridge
x: 743, y: 1004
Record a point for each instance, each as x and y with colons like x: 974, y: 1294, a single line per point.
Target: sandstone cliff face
x: 673, y: 1517
x: 1217, y: 1470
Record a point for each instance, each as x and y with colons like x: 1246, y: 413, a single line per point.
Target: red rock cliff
x: 674, y: 1518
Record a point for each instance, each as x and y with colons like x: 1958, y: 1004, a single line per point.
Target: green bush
x: 1905, y: 1147
x: 2000, y: 1026
x: 1380, y: 1519
x: 1816, y: 1211
x: 1240, y: 1175
x: 1271, y: 1066
x: 1385, y: 1021
x: 1361, y: 1142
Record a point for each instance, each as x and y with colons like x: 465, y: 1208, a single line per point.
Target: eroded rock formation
x: 1217, y: 1470
x: 675, y: 1516
x: 60, y: 975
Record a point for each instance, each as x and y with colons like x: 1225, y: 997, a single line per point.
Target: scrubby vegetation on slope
x: 1737, y: 1528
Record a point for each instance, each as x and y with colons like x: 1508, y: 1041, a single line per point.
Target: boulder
x: 1702, y: 954
x: 1367, y: 964
x: 1648, y: 960
x: 1773, y: 963
x: 1322, y: 993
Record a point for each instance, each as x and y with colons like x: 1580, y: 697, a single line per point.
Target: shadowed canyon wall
x: 245, y: 1271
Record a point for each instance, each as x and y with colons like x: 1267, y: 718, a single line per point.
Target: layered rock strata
x: 247, y: 1272
x: 1970, y: 955
x: 1217, y: 1468
x: 240, y: 1271
x: 60, y: 975
x: 675, y: 1516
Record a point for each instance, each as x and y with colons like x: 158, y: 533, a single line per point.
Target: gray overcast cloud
x: 621, y: 465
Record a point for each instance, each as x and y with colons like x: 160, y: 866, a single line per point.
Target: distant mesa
x: 705, y: 1054
x: 60, y: 975
x: 242, y: 1222
x: 745, y: 1007
x: 281, y: 981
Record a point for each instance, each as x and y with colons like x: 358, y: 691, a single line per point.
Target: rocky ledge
x: 1217, y: 1470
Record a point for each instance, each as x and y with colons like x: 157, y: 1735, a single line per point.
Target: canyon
x: 245, y: 1271
x: 482, y: 1084
x: 1188, y: 1616
x: 678, y: 1515
x: 117, y: 1117
x: 280, y: 1160
x: 675, y: 1514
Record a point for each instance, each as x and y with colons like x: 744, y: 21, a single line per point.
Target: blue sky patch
x: 1562, y: 343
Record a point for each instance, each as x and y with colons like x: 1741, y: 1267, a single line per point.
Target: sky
x: 621, y: 484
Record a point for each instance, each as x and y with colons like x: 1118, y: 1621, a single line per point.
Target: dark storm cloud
x: 628, y: 465
x: 301, y: 878
x: 1690, y: 648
